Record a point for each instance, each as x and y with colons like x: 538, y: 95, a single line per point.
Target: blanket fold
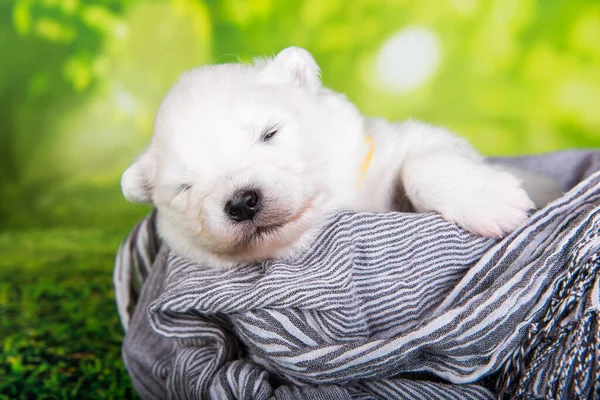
x: 399, y: 306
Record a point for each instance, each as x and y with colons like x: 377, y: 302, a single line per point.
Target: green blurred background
x: 80, y: 82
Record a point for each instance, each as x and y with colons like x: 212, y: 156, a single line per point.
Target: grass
x: 60, y: 335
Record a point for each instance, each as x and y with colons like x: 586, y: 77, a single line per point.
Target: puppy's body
x: 246, y: 161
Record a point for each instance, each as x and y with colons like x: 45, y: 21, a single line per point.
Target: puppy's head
x: 246, y: 159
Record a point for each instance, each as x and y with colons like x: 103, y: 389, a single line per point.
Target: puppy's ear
x: 135, y: 182
x: 296, y: 66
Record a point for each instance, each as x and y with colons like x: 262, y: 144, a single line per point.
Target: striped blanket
x: 392, y: 306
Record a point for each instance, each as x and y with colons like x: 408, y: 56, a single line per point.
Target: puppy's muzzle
x: 244, y: 205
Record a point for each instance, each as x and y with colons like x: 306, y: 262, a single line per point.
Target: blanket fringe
x: 560, y: 354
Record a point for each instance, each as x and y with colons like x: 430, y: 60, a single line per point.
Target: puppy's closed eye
x: 182, y: 188
x: 269, y: 132
x: 178, y: 198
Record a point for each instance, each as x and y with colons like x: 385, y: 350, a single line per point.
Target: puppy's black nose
x: 243, y: 206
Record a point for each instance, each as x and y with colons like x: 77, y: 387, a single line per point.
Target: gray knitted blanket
x: 392, y: 306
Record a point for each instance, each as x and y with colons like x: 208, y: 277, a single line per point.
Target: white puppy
x: 246, y: 160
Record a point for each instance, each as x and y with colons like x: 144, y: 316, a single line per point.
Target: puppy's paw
x: 490, y: 203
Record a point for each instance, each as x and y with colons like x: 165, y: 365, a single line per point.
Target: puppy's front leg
x: 443, y: 173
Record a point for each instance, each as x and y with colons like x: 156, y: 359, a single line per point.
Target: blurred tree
x: 51, y: 46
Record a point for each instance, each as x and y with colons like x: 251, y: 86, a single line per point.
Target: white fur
x: 207, y: 145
